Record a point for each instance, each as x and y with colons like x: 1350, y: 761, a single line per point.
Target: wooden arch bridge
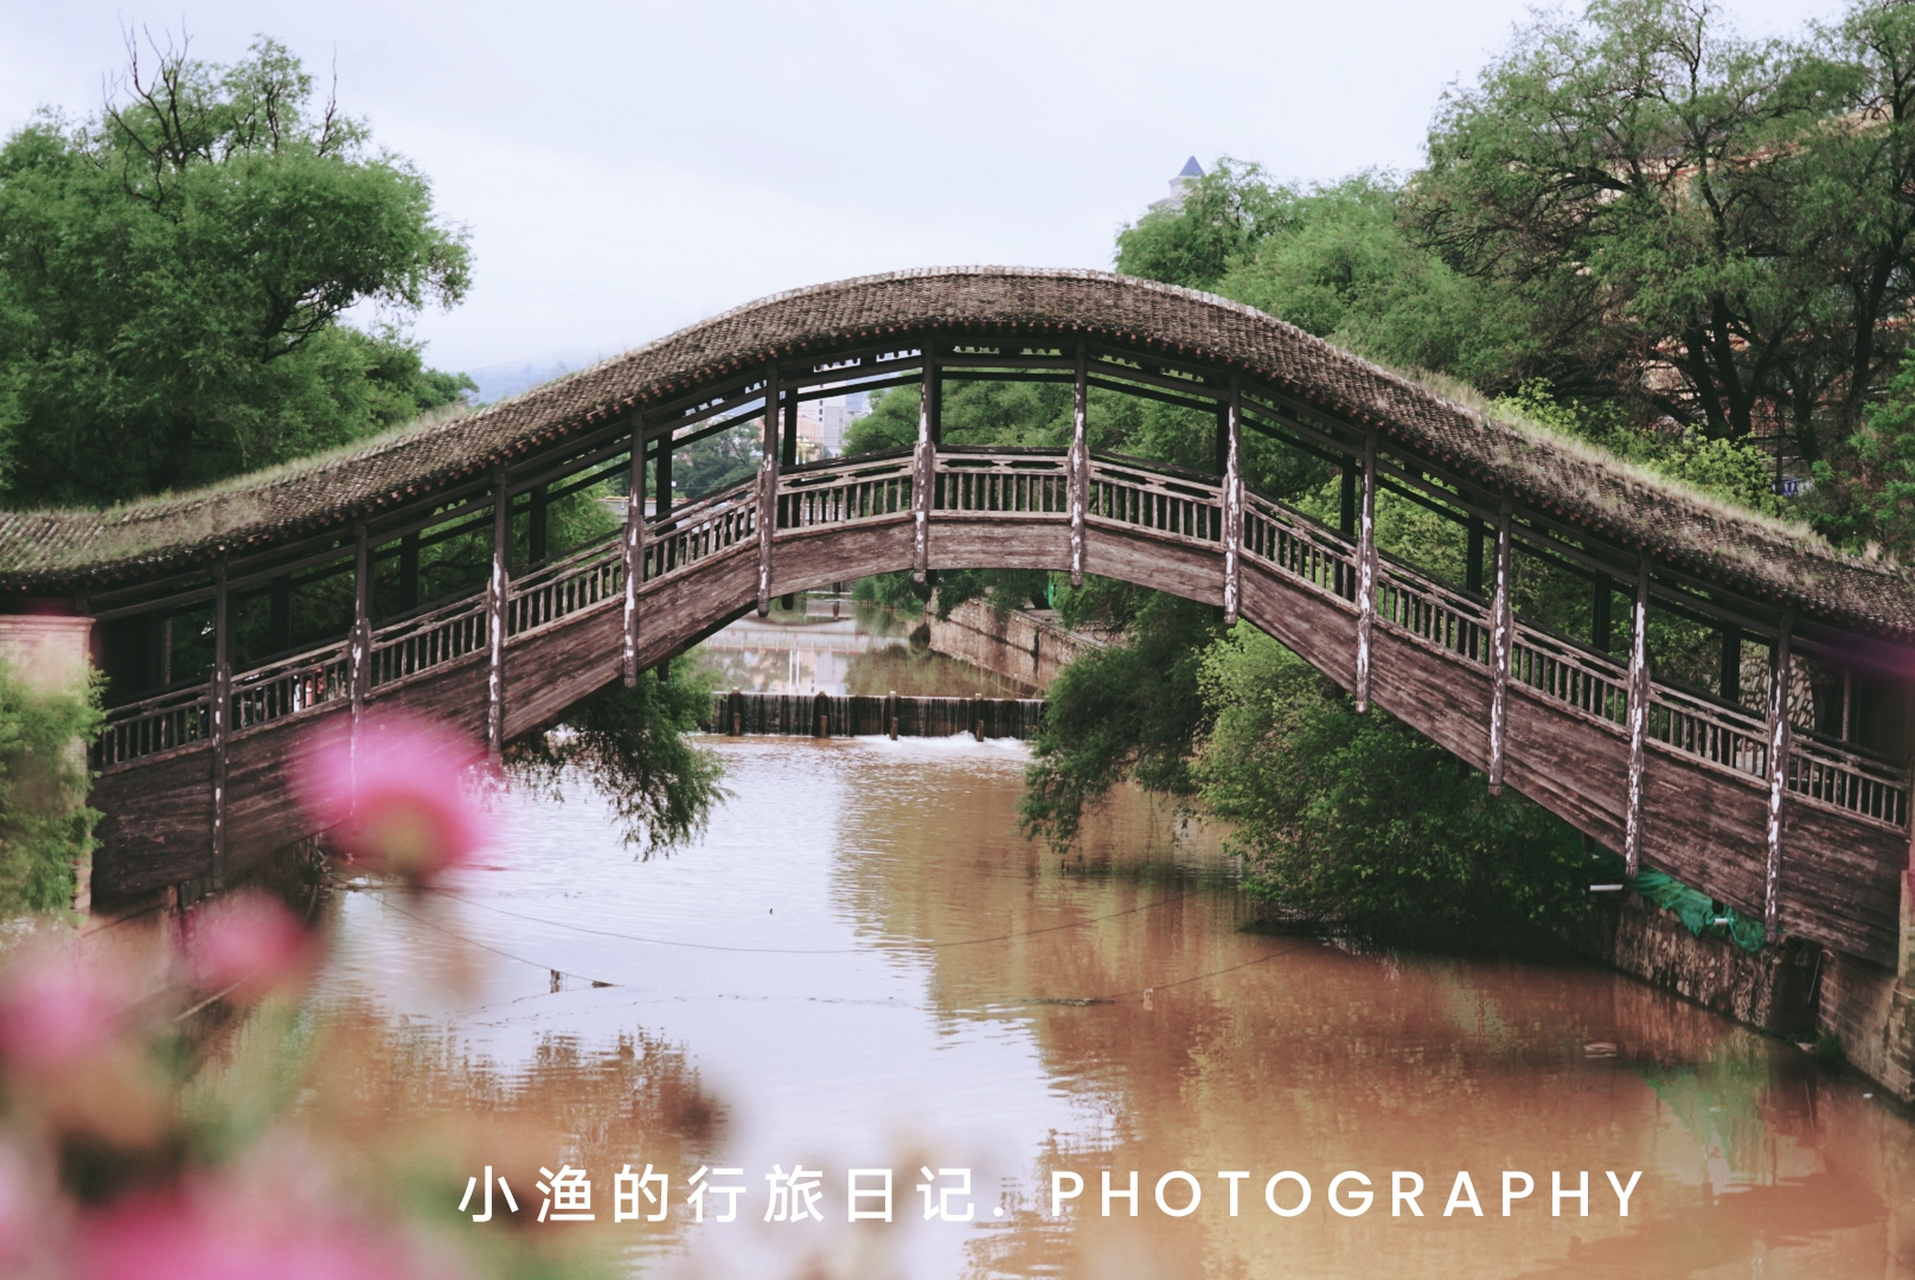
x: 203, y: 607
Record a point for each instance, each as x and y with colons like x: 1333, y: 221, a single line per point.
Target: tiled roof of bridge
x: 44, y: 551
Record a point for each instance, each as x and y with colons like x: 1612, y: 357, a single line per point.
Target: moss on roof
x: 66, y: 550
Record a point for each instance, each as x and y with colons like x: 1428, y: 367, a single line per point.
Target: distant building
x: 822, y: 423
x: 1186, y: 178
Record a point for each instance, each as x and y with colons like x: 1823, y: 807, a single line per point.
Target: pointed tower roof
x: 1191, y: 169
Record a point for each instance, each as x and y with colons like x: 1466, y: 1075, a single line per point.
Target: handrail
x: 1030, y: 484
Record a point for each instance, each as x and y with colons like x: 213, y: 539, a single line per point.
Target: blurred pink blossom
x: 398, y: 798
x: 57, y: 1010
x: 252, y: 941
x: 201, y: 1233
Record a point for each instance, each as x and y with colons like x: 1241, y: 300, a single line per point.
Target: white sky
x: 629, y: 168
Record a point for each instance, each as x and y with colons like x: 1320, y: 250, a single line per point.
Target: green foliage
x: 45, y: 825
x: 1222, y: 215
x: 1132, y: 711
x: 1872, y: 501
x: 1702, y: 225
x: 172, y: 276
x: 631, y: 745
x: 1357, y: 817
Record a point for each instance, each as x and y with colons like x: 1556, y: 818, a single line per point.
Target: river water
x: 862, y: 965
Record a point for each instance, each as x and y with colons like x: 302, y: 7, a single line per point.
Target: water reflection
x: 831, y: 644
x: 863, y: 965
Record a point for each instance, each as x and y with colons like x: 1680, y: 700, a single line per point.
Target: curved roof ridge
x: 1549, y: 469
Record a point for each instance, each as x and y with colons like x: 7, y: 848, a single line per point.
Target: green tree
x: 173, y: 275
x: 1709, y: 228
x: 45, y: 825
x: 631, y: 745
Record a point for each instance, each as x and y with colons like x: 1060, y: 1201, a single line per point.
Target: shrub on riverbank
x: 1360, y: 819
x: 45, y: 825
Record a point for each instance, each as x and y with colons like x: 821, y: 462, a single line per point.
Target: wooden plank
x: 1778, y: 736
x: 1638, y: 718
x: 496, y: 586
x: 359, y: 646
x: 1500, y: 636
x: 1366, y: 576
x: 222, y: 709
x: 634, y: 548
x: 1233, y: 505
x: 1079, y: 465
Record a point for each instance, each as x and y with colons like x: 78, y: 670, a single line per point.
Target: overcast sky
x: 626, y: 169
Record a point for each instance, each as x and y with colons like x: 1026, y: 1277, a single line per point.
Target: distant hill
x: 499, y: 381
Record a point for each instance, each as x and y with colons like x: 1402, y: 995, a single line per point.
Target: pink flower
x: 398, y: 797
x: 201, y: 1234
x: 56, y: 1011
x: 251, y: 942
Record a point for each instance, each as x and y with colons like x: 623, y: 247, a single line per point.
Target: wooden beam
x: 1366, y: 592
x: 768, y: 490
x: 222, y: 709
x: 1638, y: 719
x: 924, y: 470
x: 1346, y: 501
x: 1779, y: 742
x: 1500, y: 639
x: 495, y: 616
x: 634, y: 550
x: 662, y: 472
x: 1079, y: 466
x: 1233, y: 506
x: 788, y: 449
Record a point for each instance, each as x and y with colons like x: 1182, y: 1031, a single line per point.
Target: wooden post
x: 788, y: 450
x: 891, y: 712
x: 495, y: 616
x: 1779, y: 745
x: 1233, y: 505
x: 1346, y: 501
x: 662, y: 503
x: 1638, y: 720
x: 821, y: 713
x: 768, y: 490
x: 222, y: 709
x: 1366, y: 582
x: 634, y: 548
x: 359, y: 650
x: 1499, y: 652
x: 735, y: 706
x: 977, y: 714
x: 1602, y: 631
x: 924, y: 470
x: 1730, y: 677
x: 1079, y: 463
x: 409, y: 572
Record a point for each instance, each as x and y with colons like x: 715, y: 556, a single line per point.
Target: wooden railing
x: 290, y: 686
x: 1034, y: 484
x: 552, y: 593
x: 178, y: 718
x: 1030, y: 484
x: 409, y: 649
x: 1168, y: 506
x: 842, y: 494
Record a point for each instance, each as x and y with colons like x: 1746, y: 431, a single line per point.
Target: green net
x: 1698, y: 912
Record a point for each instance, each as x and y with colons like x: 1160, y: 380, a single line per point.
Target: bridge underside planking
x: 1703, y: 820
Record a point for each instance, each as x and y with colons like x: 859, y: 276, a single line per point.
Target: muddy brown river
x: 863, y: 967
